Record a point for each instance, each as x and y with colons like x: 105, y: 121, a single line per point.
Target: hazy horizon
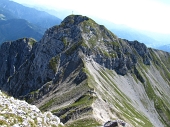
x: 149, y: 15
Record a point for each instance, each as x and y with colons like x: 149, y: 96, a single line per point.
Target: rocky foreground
x: 16, y: 113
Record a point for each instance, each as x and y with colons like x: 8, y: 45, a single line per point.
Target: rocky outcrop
x: 26, y: 68
x: 13, y: 55
x: 116, y: 123
x: 142, y: 50
x: 16, y: 113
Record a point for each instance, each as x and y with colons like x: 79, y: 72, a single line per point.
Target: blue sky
x: 151, y: 15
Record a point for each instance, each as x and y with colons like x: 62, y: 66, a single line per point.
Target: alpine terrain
x: 16, y: 113
x: 86, y: 75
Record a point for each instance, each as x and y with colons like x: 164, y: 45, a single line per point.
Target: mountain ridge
x: 32, y: 15
x: 151, y: 39
x: 81, y: 71
x: 13, y: 29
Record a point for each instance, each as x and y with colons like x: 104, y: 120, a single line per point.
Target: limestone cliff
x: 81, y: 71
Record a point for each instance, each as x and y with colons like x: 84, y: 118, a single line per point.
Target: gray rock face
x: 142, y: 50
x: 12, y: 56
x: 116, y: 123
x: 26, y: 68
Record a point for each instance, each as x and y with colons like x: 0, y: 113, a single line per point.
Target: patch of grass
x: 66, y: 43
x: 53, y: 63
x: 12, y: 119
x: 87, y: 24
x: 35, y: 121
x: 128, y: 112
x: 92, y: 41
x: 73, y: 48
x: 46, y: 105
x: 115, y: 44
x: 161, y: 65
x: 83, y: 101
x: 135, y: 114
x: 77, y: 90
x: 60, y: 125
x: 159, y: 103
x: 139, y: 75
x: 112, y: 84
x: 106, y: 54
x: 32, y: 124
x: 155, y: 59
x: 80, y: 107
x: 20, y: 119
x: 166, y: 72
x: 35, y: 92
x: 3, y: 122
x: 30, y: 100
x: 31, y: 42
x: 84, y: 44
x: 84, y: 123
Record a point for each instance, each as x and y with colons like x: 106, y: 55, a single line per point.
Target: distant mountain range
x: 132, y: 35
x: 39, y: 18
x: 18, y: 21
x: 151, y: 39
x: 6, y: 14
x: 165, y: 48
x: 13, y: 29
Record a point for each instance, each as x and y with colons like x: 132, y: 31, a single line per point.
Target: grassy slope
x: 107, y: 88
x: 126, y: 93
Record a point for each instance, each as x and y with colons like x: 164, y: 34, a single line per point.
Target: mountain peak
x: 75, y: 19
x: 81, y: 69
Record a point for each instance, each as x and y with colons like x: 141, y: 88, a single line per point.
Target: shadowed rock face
x: 116, y: 123
x: 13, y: 55
x: 80, y: 56
x: 111, y: 124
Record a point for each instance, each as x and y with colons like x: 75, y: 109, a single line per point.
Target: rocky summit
x: 17, y: 113
x: 86, y: 75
